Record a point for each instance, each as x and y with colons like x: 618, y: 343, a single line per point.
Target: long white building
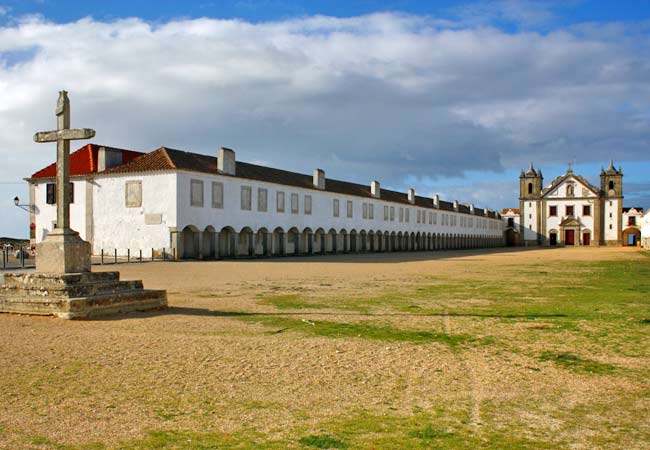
x: 199, y: 206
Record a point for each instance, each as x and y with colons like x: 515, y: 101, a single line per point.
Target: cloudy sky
x: 446, y: 97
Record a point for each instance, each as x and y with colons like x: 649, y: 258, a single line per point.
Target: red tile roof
x: 84, y: 161
x: 514, y: 210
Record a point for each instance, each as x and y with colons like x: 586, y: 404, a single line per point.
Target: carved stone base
x: 63, y: 251
x: 76, y: 295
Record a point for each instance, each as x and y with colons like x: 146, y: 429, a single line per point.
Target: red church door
x: 586, y: 239
x: 569, y: 237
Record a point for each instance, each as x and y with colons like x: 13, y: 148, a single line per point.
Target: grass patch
x: 577, y: 363
x: 429, y: 433
x: 360, y: 330
x: 291, y: 301
x: 322, y: 441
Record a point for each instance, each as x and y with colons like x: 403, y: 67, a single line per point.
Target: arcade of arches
x: 230, y: 243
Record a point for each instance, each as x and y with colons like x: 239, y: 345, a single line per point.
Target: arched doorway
x: 190, y: 242
x: 631, y: 237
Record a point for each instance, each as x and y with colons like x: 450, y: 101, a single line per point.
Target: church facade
x: 200, y: 206
x: 569, y: 211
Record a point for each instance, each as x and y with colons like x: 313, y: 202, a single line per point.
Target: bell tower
x: 530, y: 195
x: 611, y: 190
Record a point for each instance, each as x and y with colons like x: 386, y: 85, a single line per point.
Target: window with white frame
x: 407, y: 214
x: 401, y: 214
x: 371, y: 211
x: 217, y: 194
x: 364, y: 211
x: 246, y: 198
x: 308, y: 205
x: 294, y: 204
x: 392, y: 214
x: 335, y: 207
x: 262, y: 199
x: 386, y: 216
x: 350, y: 210
x: 196, y: 193
x: 279, y: 200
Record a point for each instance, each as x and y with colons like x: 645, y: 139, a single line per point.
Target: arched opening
x: 392, y: 244
x: 631, y: 237
x: 586, y: 237
x: 209, y: 247
x: 399, y: 243
x: 530, y: 188
x: 246, y: 242
x: 363, y: 237
x: 611, y: 184
x: 319, y: 241
x: 307, y: 241
x: 353, y: 241
x: 279, y: 242
x: 263, y: 244
x: 227, y: 246
x: 190, y: 242
x: 331, y: 244
x: 293, y: 241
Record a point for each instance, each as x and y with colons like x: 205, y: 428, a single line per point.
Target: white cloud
x: 383, y: 96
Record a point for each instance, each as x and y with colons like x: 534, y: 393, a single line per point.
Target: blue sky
x: 447, y: 97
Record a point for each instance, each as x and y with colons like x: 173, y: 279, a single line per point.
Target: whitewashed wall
x: 45, y: 215
x: 529, y: 213
x: 645, y: 231
x: 559, y: 197
x: 612, y: 209
x: 321, y: 216
x: 121, y: 227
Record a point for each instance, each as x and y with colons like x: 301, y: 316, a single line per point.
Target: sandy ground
x: 196, y: 367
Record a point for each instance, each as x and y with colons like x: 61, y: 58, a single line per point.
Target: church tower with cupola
x: 530, y: 199
x: 611, y: 187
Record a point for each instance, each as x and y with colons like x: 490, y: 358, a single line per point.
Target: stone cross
x: 62, y: 136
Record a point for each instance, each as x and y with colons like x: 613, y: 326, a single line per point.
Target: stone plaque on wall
x: 153, y: 219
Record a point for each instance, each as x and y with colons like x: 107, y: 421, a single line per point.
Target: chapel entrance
x: 569, y: 237
x: 631, y: 237
x: 553, y: 238
x: 586, y: 239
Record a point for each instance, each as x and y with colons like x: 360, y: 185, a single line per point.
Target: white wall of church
x: 611, y: 219
x: 322, y: 211
x: 586, y: 221
x: 139, y: 227
x: 45, y: 215
x: 529, y: 214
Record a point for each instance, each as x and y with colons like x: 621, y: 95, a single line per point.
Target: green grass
x: 362, y: 330
x: 322, y: 441
x: 577, y: 363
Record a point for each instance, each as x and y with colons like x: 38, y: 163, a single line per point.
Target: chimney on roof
x: 471, y: 208
x: 226, y: 161
x: 485, y: 212
x: 436, y: 201
x: 107, y: 158
x: 411, y: 196
x: 455, y: 205
x: 375, y: 189
x: 319, y: 179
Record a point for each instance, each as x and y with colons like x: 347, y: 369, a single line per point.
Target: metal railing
x: 17, y: 258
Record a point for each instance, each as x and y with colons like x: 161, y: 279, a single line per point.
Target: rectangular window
x: 552, y: 211
x: 335, y: 207
x: 349, y: 208
x: 430, y: 218
x: 279, y: 201
x: 294, y: 204
x: 586, y: 210
x: 386, y: 216
x: 371, y: 211
x: 435, y: 218
x: 308, y: 205
x: 196, y: 193
x: 631, y: 221
x: 406, y: 214
x: 50, y: 193
x: 401, y: 214
x: 217, y: 194
x: 392, y: 214
x: 71, y: 192
x: 262, y: 199
x: 569, y: 210
x: 364, y: 211
x: 133, y: 194
x: 246, y: 198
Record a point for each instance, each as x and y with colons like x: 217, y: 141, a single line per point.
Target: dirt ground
x: 199, y: 367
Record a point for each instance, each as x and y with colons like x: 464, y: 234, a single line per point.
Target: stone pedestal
x: 63, y: 251
x: 76, y: 295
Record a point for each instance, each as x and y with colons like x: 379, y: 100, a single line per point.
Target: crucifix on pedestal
x: 63, y: 251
